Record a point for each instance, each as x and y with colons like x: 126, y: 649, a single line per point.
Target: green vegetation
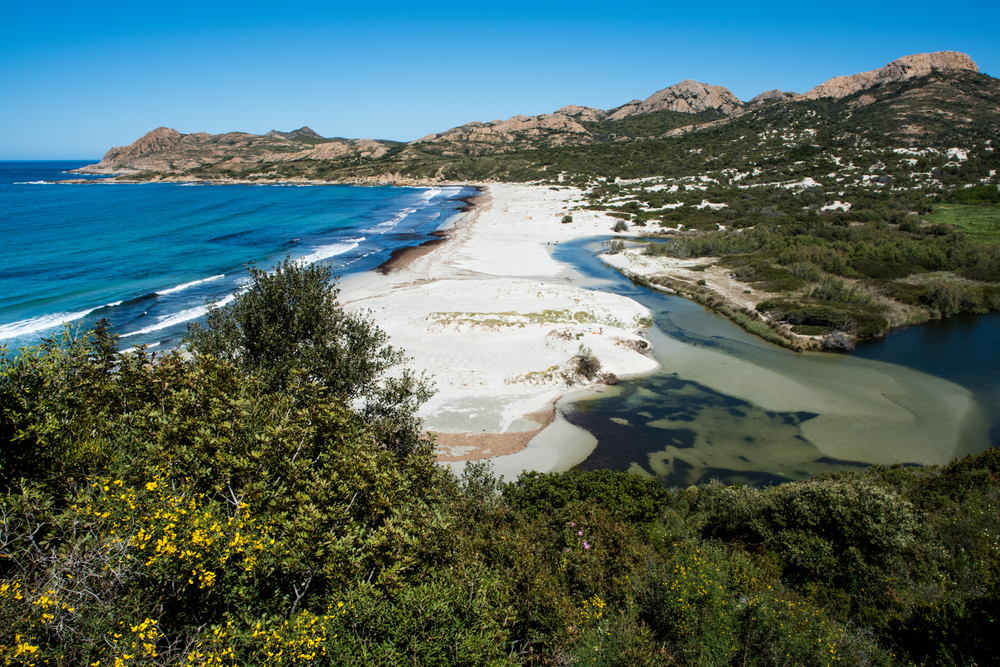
x: 286, y: 327
x: 234, y: 507
x: 980, y: 222
x: 654, y: 124
x: 848, y: 275
x: 179, y: 511
x: 586, y: 364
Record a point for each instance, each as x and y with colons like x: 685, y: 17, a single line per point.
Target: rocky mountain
x: 167, y: 151
x: 301, y: 133
x: 772, y: 96
x: 908, y: 67
x: 685, y: 97
x: 944, y: 86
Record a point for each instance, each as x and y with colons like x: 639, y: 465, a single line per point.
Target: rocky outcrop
x: 907, y: 67
x: 582, y: 114
x: 686, y: 97
x: 773, y: 95
x: 168, y: 151
x: 301, y: 133
x: 154, y: 141
x: 549, y: 129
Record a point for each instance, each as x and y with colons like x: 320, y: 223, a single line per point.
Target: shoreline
x: 499, y: 324
x: 483, y: 306
x: 400, y: 258
x: 497, y: 321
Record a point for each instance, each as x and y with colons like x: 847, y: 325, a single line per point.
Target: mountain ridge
x: 683, y: 107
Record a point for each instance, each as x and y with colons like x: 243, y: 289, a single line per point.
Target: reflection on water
x: 728, y: 405
x: 684, y: 433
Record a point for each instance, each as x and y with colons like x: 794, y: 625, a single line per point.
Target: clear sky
x: 78, y: 78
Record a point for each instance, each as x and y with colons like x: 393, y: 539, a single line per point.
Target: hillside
x: 181, y: 510
x: 937, y: 89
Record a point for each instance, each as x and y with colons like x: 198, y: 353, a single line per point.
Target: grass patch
x: 809, y: 330
x: 758, y: 271
x: 980, y: 222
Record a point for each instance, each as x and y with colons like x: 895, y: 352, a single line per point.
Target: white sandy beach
x: 497, y: 321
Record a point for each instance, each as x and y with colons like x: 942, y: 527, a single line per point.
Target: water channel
x: 727, y: 405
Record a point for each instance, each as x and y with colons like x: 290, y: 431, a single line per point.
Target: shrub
x: 286, y: 326
x: 613, y: 247
x: 587, y: 365
x: 849, y: 535
x: 628, y: 498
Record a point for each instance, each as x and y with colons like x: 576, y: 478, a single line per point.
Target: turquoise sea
x: 147, y: 256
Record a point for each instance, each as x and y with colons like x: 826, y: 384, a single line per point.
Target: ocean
x: 147, y: 257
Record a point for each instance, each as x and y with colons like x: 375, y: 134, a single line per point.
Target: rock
x: 774, y: 94
x: 687, y: 97
x: 579, y: 113
x: 907, y: 67
x: 301, y: 133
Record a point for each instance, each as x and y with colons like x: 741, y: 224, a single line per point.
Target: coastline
x: 498, y: 323
x: 482, y: 302
x: 400, y: 258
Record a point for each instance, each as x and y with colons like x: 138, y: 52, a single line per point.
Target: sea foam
x: 327, y: 251
x: 40, y: 323
x: 178, y: 317
x: 181, y: 288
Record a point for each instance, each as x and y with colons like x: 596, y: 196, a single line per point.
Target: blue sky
x: 78, y: 78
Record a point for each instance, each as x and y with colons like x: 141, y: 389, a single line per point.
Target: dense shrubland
x: 191, y: 509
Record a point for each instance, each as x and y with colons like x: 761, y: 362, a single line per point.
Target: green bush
x: 848, y: 535
x: 286, y: 326
x: 629, y: 498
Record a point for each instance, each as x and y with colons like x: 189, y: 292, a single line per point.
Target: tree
x: 286, y: 327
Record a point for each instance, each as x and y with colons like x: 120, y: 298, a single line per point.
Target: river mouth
x: 726, y: 405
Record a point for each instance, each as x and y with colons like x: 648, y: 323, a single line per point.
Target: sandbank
x: 498, y: 323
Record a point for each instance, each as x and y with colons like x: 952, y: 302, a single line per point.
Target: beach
x: 498, y: 323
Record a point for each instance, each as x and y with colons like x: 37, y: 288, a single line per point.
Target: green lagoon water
x: 726, y: 405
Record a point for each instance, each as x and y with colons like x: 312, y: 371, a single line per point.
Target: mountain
x: 685, y: 97
x: 165, y: 150
x: 908, y: 67
x: 917, y: 98
x: 301, y: 133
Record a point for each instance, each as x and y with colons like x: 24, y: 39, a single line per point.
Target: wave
x: 383, y: 227
x: 327, y: 251
x: 181, y: 288
x: 178, y: 318
x: 40, y: 323
x: 428, y: 195
x: 130, y: 350
x: 33, y: 183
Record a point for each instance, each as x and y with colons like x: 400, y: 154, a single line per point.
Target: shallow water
x: 727, y: 405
